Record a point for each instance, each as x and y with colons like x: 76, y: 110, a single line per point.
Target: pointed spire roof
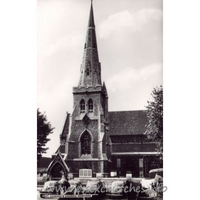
x: 91, y: 17
x: 90, y: 67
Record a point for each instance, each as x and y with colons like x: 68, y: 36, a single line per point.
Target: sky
x: 130, y: 46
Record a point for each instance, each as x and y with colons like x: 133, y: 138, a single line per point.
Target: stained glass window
x: 86, y: 143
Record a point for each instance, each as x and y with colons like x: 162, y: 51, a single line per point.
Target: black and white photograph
x: 100, y: 99
x: 116, y: 87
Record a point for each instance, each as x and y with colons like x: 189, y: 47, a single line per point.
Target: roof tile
x: 127, y: 122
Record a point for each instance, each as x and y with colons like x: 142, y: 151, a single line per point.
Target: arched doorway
x: 57, y: 171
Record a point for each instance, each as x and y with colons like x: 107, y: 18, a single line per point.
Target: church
x: 95, y: 142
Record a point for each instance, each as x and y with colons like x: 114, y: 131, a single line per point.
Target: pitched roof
x: 65, y: 130
x: 58, y: 158
x: 127, y: 122
x: 61, y: 149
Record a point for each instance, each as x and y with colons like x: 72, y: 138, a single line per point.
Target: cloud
x: 126, y: 19
x: 125, y: 79
x: 71, y: 40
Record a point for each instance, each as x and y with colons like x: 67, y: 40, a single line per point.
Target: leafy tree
x: 43, y: 130
x: 154, y: 130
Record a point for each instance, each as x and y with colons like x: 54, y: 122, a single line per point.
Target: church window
x: 82, y: 106
x: 90, y: 105
x: 88, y: 71
x: 86, y: 143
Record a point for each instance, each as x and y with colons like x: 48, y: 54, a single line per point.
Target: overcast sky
x: 129, y: 38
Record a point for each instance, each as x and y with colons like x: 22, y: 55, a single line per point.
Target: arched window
x: 88, y: 71
x: 85, y: 143
x: 82, y: 106
x: 90, y: 105
x: 57, y: 170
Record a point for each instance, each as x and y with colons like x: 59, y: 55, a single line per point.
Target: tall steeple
x: 90, y: 67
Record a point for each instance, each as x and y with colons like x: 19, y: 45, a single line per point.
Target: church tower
x: 94, y: 141
x: 86, y: 140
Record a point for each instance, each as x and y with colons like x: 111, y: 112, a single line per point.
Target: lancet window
x: 90, y: 106
x: 86, y: 143
x: 82, y: 106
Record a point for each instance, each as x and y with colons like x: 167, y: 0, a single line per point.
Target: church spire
x: 90, y: 67
x: 91, y: 17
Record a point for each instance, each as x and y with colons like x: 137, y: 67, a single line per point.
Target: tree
x: 154, y: 129
x: 43, y: 130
